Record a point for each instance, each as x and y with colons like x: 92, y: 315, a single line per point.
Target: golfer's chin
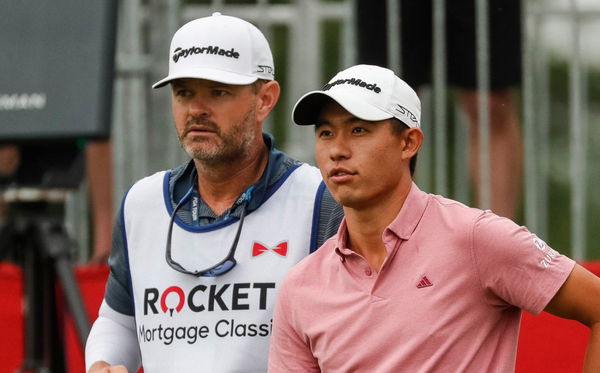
x: 345, y: 198
x: 202, y: 150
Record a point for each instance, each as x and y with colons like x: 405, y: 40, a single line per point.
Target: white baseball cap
x: 220, y: 48
x: 368, y: 92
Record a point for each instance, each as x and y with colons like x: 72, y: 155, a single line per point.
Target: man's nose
x: 339, y: 148
x: 199, y: 107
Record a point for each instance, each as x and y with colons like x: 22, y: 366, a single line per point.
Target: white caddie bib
x: 222, y: 324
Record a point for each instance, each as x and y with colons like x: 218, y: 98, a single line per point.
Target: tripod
x: 35, y: 238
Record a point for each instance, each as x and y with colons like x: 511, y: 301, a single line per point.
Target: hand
x: 104, y: 367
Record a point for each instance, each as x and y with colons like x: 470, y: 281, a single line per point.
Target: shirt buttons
x: 342, y: 259
x: 368, y: 272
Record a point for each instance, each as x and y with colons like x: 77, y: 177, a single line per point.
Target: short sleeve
x: 515, y: 266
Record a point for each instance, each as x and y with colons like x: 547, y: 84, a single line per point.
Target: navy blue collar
x: 279, y: 166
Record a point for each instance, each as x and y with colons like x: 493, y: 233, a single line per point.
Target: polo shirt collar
x: 410, y: 214
x: 277, y: 165
x: 273, y: 171
x: 402, y: 226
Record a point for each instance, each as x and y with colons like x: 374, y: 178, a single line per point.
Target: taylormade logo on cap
x: 219, y: 48
x: 183, y: 53
x: 368, y: 92
x: 353, y: 81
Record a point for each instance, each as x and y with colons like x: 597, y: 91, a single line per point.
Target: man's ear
x: 267, y: 98
x: 413, y: 139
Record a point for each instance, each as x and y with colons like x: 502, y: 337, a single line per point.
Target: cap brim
x: 220, y: 76
x: 307, y: 109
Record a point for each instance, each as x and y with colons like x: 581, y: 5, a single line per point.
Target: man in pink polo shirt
x: 412, y: 282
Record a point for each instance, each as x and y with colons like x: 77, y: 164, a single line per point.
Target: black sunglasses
x: 224, y: 265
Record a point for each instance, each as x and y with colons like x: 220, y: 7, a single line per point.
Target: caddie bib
x: 186, y: 323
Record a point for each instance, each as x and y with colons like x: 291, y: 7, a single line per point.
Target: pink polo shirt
x: 448, y: 298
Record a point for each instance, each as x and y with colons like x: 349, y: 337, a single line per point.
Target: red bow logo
x: 280, y: 249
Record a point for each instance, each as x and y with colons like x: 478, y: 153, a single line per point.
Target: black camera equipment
x: 55, y: 94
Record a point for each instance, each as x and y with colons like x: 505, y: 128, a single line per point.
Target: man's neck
x: 366, y: 226
x: 221, y: 185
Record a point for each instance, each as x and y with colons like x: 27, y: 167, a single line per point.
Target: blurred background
x: 557, y: 107
x: 559, y: 100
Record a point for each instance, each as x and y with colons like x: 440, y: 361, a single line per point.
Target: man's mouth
x: 340, y: 174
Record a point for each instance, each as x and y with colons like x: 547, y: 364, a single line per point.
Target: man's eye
x: 323, y: 133
x: 358, y: 130
x: 219, y: 92
x: 182, y: 93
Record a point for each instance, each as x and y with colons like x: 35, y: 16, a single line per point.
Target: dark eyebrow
x: 320, y: 122
x: 352, y: 119
x: 219, y: 85
x: 178, y: 83
x: 349, y: 120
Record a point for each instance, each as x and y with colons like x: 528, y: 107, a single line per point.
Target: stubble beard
x: 227, y: 147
